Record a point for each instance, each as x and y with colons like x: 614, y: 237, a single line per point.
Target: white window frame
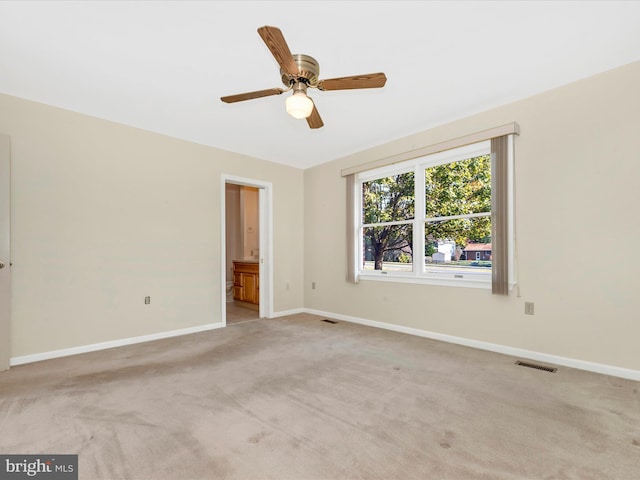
x: 479, y: 279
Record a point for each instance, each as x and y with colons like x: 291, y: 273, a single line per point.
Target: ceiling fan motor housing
x: 308, y: 71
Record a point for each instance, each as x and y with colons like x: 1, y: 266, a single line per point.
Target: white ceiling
x: 163, y: 66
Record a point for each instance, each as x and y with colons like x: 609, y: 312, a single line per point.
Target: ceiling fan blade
x: 275, y: 41
x: 370, y: 80
x: 250, y: 95
x: 314, y: 119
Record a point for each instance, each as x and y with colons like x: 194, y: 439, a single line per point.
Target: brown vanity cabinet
x: 246, y: 282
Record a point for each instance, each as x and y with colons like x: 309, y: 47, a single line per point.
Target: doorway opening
x: 246, y: 247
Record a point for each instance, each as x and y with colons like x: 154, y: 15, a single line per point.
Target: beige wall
x: 104, y: 215
x: 250, y: 221
x: 233, y: 245
x: 242, y: 218
x: 577, y: 172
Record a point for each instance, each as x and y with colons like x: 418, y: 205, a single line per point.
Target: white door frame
x: 265, y: 209
x: 5, y: 252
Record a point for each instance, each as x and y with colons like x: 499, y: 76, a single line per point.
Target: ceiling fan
x: 300, y: 72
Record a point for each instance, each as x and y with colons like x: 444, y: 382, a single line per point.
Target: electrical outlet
x: 147, y: 300
x: 528, y: 308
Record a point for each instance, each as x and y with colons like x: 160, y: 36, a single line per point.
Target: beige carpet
x: 298, y: 398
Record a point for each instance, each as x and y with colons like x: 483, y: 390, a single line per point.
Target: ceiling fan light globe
x: 299, y: 105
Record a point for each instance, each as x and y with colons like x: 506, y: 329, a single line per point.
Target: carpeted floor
x: 298, y: 398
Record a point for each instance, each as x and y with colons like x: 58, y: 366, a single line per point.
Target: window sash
x: 456, y: 217
x: 395, y: 222
x: 419, y: 167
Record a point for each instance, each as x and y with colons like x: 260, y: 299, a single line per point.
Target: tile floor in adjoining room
x: 238, y: 314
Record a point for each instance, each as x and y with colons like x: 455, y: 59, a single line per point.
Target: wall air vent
x: 537, y: 367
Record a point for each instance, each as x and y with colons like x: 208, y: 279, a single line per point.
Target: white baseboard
x: 492, y: 347
x: 285, y: 313
x: 37, y: 357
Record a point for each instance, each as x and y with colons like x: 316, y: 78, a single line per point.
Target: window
x: 388, y: 216
x: 428, y: 219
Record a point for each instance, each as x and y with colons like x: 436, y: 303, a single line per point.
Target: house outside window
x: 419, y: 217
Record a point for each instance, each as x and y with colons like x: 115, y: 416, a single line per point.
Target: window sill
x: 442, y: 280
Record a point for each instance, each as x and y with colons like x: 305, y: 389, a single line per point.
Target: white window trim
x: 417, y: 276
